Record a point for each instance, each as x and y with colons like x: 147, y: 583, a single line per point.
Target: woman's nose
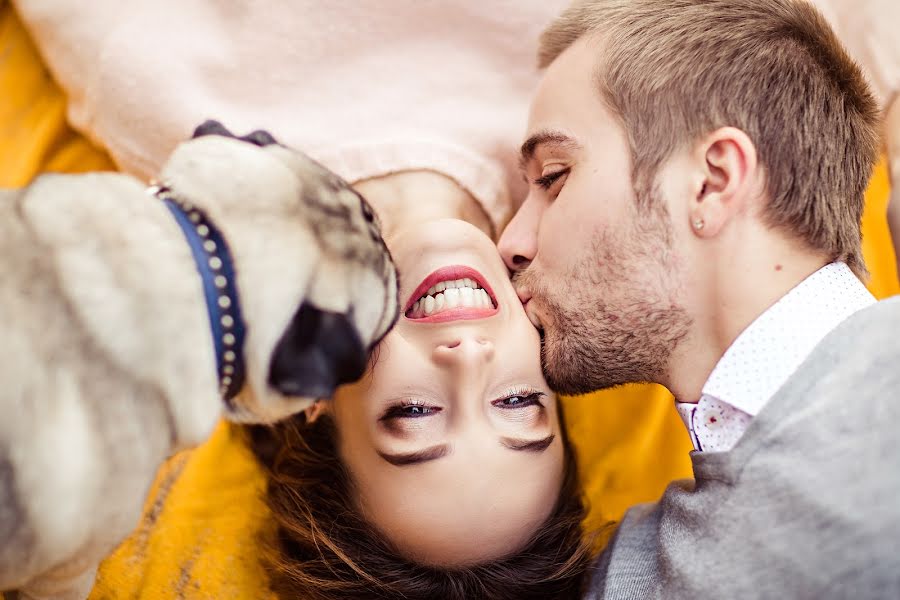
x: 464, y: 351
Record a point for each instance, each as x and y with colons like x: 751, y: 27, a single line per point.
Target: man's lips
x: 524, y: 295
x: 530, y: 309
x: 451, y: 293
x: 532, y: 312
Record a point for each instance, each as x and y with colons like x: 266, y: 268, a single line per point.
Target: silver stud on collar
x: 229, y: 339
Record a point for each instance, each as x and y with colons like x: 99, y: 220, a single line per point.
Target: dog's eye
x: 367, y: 211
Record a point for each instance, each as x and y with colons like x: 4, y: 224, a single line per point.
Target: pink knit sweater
x: 368, y: 87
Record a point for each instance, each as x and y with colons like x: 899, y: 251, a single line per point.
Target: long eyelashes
x: 520, y: 399
x: 414, y: 408
x: 409, y: 409
x: 545, y: 181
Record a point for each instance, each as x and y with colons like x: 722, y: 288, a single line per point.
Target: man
x: 697, y: 170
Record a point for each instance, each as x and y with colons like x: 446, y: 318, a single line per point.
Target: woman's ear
x: 730, y: 170
x: 316, y: 410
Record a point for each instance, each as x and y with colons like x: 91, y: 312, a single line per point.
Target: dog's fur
x: 106, y: 358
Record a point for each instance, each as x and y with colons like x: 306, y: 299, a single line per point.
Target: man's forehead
x: 576, y: 67
x: 566, y: 101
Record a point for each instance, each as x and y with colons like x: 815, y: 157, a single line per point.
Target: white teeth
x: 451, y: 296
x: 463, y: 292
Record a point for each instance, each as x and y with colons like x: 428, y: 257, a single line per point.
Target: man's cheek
x: 555, y: 243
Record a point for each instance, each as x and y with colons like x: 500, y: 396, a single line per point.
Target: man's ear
x: 318, y: 351
x: 729, y: 184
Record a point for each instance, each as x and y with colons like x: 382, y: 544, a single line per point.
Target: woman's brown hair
x: 325, y: 550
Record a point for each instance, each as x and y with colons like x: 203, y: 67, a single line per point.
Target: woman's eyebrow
x: 528, y: 445
x: 415, y: 458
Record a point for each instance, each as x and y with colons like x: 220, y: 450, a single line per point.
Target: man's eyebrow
x: 528, y: 445
x: 415, y: 458
x: 557, y: 138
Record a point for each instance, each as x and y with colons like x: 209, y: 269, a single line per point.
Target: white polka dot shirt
x: 766, y: 354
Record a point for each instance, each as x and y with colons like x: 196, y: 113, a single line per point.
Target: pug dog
x: 249, y: 283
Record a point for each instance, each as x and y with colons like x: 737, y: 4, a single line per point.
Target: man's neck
x: 738, y: 293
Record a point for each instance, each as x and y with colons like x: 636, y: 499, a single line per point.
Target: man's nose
x: 464, y: 352
x: 518, y: 244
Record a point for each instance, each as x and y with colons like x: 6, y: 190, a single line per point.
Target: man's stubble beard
x: 615, y: 318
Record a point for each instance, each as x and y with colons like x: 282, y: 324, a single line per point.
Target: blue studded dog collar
x: 213, y: 261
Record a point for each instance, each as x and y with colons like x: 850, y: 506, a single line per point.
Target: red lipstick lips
x: 458, y: 312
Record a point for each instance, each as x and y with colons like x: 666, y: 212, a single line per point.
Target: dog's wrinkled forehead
x: 334, y: 207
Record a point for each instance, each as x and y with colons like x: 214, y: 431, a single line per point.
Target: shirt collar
x: 772, y: 347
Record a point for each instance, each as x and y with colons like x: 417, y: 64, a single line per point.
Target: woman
x: 445, y: 472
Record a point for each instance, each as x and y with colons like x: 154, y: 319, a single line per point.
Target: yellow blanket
x: 198, y: 535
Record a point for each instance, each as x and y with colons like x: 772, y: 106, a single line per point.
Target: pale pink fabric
x: 368, y: 87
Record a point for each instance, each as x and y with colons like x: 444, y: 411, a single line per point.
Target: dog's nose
x: 318, y: 351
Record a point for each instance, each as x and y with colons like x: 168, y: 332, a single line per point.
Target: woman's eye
x: 519, y: 400
x: 410, y: 411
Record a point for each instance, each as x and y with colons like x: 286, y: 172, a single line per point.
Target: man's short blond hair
x: 676, y: 70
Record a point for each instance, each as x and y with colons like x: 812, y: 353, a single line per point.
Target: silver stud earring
x: 699, y: 224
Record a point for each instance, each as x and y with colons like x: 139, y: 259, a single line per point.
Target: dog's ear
x: 318, y: 351
x: 260, y: 137
x: 210, y: 127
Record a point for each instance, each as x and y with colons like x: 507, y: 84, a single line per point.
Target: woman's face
x: 453, y: 440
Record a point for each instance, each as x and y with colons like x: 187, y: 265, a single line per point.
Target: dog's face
x: 317, y: 286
